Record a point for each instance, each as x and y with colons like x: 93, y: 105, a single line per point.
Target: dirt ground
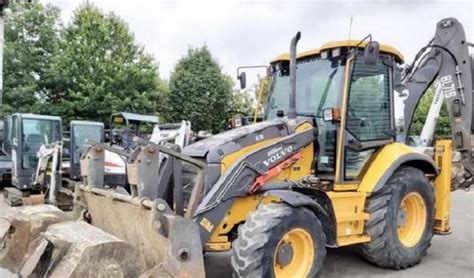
x: 449, y: 256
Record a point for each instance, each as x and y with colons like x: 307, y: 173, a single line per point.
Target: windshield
x: 37, y: 132
x: 318, y: 86
x: 85, y: 135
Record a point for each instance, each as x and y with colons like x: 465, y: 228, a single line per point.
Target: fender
x: 388, y: 160
x: 319, y: 204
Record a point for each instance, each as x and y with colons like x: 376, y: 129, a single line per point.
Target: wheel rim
x: 411, y: 221
x: 294, y: 254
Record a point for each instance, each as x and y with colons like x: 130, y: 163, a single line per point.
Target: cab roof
x: 335, y: 44
x: 136, y: 117
x: 37, y: 116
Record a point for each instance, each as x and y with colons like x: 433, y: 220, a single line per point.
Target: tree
x: 242, y: 103
x: 443, y: 127
x: 263, y: 88
x: 31, y: 39
x: 199, y: 91
x: 99, y: 69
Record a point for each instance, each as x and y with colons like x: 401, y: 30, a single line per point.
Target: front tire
x: 401, y: 220
x: 279, y: 241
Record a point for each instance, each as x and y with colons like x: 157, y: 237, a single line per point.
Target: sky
x: 247, y: 32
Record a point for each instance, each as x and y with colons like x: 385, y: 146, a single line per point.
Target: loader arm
x: 446, y: 57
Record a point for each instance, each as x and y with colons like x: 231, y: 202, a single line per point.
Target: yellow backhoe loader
x: 323, y: 170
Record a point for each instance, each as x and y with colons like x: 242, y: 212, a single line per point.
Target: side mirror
x: 371, y: 53
x: 243, y: 80
x: 332, y: 114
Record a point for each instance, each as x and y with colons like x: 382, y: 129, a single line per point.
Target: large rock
x: 22, y: 226
x: 77, y: 249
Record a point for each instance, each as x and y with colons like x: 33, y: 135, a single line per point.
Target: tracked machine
x: 323, y: 170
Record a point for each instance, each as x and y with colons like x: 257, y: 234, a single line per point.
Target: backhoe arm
x: 446, y: 57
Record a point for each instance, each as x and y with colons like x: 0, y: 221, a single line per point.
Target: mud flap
x: 77, y: 249
x: 20, y: 228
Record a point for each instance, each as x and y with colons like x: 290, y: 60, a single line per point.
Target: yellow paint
x: 302, y: 167
x: 300, y: 263
x: 352, y: 43
x: 218, y: 246
x: 350, y: 216
x: 382, y: 160
x: 443, y: 156
x: 309, y: 53
x: 238, y: 212
x: 231, y: 158
x: 341, y: 131
x: 335, y: 44
x: 411, y: 229
x: 206, y: 224
x: 262, y: 82
x: 281, y: 58
x: 351, y: 240
x: 346, y: 186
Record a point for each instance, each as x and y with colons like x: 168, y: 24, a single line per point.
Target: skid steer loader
x: 323, y: 170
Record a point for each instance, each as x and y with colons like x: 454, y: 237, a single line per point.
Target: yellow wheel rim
x: 411, y: 221
x: 294, y: 254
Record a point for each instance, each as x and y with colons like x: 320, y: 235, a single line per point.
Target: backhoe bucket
x: 167, y: 239
x: 121, y: 235
x: 20, y: 228
x: 169, y: 245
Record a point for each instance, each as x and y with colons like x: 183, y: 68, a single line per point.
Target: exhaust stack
x: 293, y: 44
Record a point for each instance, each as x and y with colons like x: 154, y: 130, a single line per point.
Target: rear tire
x: 401, y: 220
x: 279, y: 241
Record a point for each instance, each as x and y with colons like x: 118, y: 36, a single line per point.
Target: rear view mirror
x: 243, y: 80
x: 371, y: 53
x: 332, y: 114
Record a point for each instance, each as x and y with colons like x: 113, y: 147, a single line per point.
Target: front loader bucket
x: 21, y: 227
x: 168, y: 244
x: 77, y: 249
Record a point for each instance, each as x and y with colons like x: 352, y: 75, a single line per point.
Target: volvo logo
x: 276, y: 154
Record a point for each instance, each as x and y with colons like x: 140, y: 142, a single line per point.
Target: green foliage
x: 31, y: 40
x: 92, y: 67
x: 99, y: 69
x: 263, y: 89
x: 242, y: 103
x: 443, y: 128
x: 199, y: 91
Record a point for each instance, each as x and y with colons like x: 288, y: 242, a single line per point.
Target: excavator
x: 323, y: 170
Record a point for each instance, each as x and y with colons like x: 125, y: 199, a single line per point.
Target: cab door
x: 368, y: 121
x: 83, y: 134
x: 15, y: 148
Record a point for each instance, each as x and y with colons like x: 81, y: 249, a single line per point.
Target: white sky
x: 252, y: 32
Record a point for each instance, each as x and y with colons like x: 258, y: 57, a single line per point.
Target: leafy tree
x: 199, y: 91
x: 31, y: 40
x: 99, y: 69
x: 242, y: 103
x: 442, y: 129
x: 263, y: 88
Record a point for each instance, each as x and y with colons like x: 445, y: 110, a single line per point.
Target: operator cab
x: 23, y: 136
x: 82, y: 135
x: 124, y: 126
x: 324, y: 78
